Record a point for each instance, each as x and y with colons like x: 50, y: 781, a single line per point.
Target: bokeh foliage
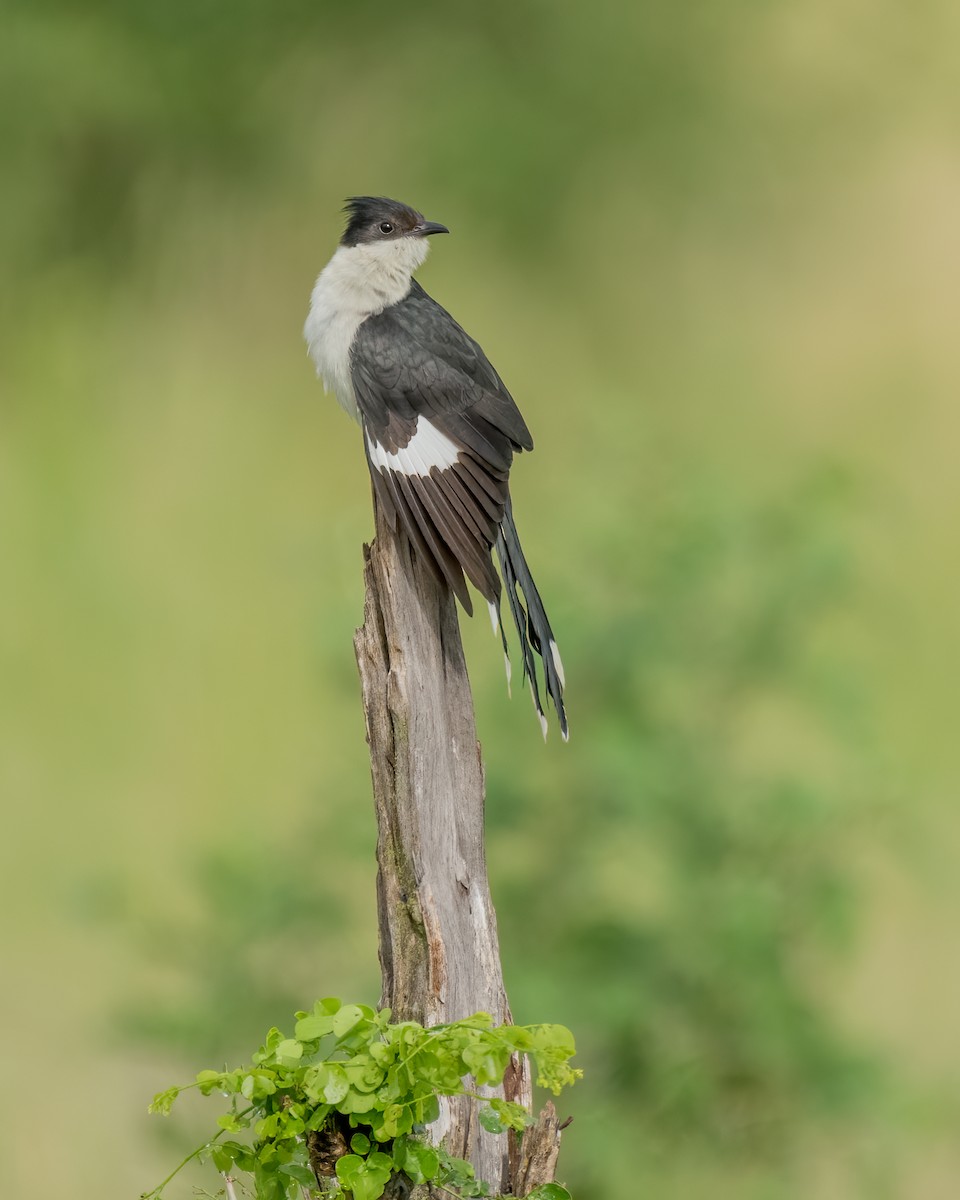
x: 671, y: 893
x: 694, y: 243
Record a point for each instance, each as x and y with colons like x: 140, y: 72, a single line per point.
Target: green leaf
x: 269, y: 1185
x: 518, y: 1037
x: 232, y: 1122
x: 242, y: 1155
x: 348, y: 1168
x: 490, y: 1121
x: 317, y: 1025
x: 549, y: 1191
x: 479, y: 1020
x: 418, y: 1160
x: 559, y: 1039
x: 163, y: 1101
x: 358, y: 1102
x: 267, y: 1128
x: 486, y: 1060
x: 363, y: 1073
x: 336, y: 1086
x: 365, y: 1178
x: 360, y: 1143
x: 314, y: 1080
x: 291, y: 1126
x: 382, y: 1054
x: 393, y: 1120
x: 227, y: 1081
x: 209, y: 1081
x: 346, y: 1018
x: 289, y: 1051
x: 428, y: 1110
x: 271, y: 1041
x: 515, y: 1116
x: 223, y: 1158
x: 456, y: 1171
x: 302, y: 1174
x: 318, y: 1117
x: 258, y: 1084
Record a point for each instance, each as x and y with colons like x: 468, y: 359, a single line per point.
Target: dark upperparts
x: 418, y: 359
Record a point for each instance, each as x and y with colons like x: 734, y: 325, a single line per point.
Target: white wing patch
x: 557, y: 664
x: 428, y: 448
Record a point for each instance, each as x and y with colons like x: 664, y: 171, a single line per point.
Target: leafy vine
x: 345, y: 1102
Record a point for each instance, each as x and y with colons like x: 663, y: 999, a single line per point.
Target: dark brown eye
x: 386, y: 227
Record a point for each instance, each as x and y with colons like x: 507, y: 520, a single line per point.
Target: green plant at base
x: 350, y: 1078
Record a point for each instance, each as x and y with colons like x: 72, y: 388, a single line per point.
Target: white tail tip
x: 509, y: 669
x: 540, y: 716
x: 494, y: 617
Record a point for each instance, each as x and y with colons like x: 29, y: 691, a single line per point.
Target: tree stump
x: 439, y: 952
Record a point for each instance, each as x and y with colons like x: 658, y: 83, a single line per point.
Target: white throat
x: 356, y: 283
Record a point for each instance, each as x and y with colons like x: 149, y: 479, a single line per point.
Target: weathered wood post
x: 439, y: 952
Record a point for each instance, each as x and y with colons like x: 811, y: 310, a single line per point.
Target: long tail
x: 532, y: 624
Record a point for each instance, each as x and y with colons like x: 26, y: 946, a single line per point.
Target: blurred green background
x: 714, y: 251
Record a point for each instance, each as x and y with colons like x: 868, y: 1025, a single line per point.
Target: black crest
x: 366, y: 214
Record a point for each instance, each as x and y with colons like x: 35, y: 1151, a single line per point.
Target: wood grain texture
x: 439, y: 952
x: 534, y: 1160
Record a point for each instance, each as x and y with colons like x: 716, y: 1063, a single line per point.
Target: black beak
x: 425, y: 228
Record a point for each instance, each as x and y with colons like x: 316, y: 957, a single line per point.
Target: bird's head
x: 382, y: 246
x: 375, y: 220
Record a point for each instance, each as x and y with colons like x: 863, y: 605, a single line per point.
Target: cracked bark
x: 439, y: 952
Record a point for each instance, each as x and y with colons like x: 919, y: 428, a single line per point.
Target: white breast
x: 356, y: 283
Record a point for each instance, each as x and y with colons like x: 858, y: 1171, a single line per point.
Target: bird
x: 440, y: 428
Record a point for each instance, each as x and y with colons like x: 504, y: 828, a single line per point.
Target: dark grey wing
x: 446, y: 341
x: 440, y: 431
